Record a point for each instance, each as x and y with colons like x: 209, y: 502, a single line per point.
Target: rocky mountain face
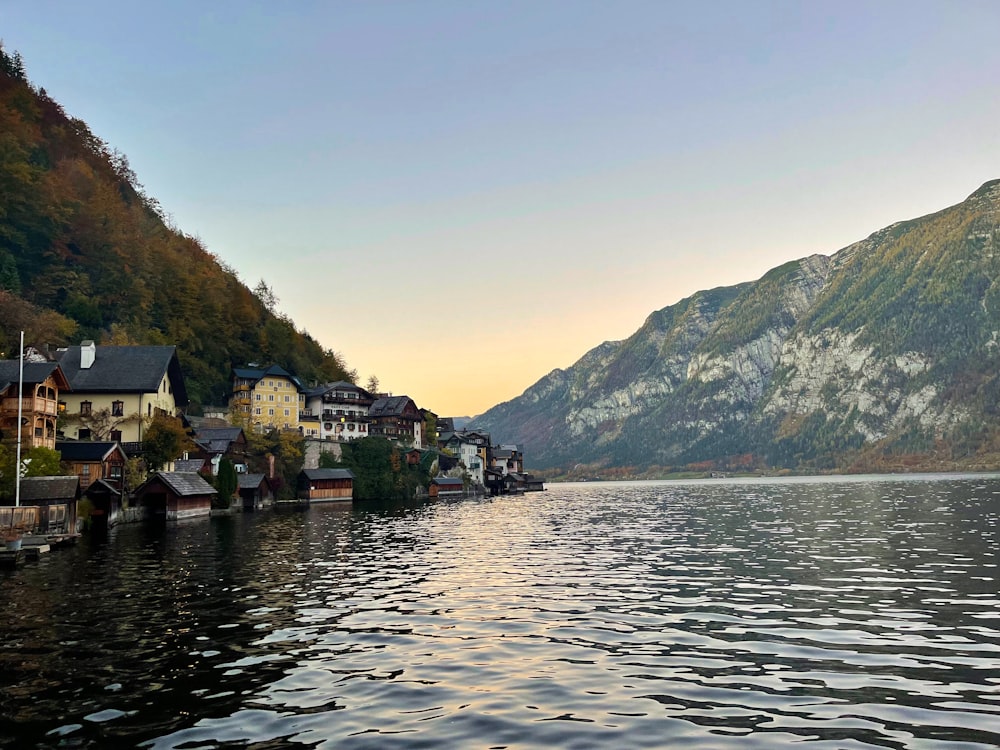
x: 888, y: 348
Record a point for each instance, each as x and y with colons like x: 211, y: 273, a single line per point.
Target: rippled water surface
x: 830, y: 613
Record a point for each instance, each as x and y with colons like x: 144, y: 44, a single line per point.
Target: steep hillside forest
x: 85, y: 253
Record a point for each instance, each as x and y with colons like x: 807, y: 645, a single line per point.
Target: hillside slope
x: 86, y: 254
x: 884, y: 354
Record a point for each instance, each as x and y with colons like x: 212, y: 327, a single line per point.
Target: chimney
x: 88, y: 353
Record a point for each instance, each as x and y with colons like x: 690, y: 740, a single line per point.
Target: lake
x: 849, y: 612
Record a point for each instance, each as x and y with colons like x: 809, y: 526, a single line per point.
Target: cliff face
x: 891, y: 341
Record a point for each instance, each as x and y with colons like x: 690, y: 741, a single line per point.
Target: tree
x: 430, y: 429
x: 379, y: 470
x: 35, y: 462
x: 9, y: 278
x: 226, y: 483
x: 136, y: 473
x: 266, y: 296
x: 372, y: 386
x: 165, y: 441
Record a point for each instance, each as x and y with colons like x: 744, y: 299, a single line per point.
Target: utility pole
x: 20, y: 412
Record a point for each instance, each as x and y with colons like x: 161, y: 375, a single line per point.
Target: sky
x: 460, y: 197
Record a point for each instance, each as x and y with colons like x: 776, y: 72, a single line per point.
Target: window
x: 287, y: 413
x: 83, y: 434
x: 257, y: 411
x: 287, y: 398
x: 85, y: 470
x: 115, y: 472
x: 117, y: 408
x: 257, y: 396
x: 270, y: 397
x: 116, y: 435
x: 85, y: 407
x: 270, y: 412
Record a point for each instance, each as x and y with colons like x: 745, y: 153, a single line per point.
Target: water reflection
x: 844, y: 614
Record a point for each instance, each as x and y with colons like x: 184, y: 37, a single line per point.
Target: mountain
x: 884, y: 355
x: 85, y: 253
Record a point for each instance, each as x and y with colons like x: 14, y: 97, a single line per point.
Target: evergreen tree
x: 226, y: 483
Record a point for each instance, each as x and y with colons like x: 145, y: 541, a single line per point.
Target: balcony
x: 336, y: 415
x: 32, y: 405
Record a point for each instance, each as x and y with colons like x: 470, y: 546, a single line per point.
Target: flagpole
x: 20, y: 408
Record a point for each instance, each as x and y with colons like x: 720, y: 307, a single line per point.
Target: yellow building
x: 268, y: 397
x: 117, y: 390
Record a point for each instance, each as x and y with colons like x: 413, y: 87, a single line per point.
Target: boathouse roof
x: 320, y: 474
x: 49, y: 488
x: 101, y: 487
x: 181, y: 483
x: 250, y: 481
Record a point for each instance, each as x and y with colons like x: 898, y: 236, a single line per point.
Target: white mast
x: 20, y: 408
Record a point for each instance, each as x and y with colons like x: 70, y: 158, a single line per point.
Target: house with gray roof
x: 116, y: 390
x: 269, y: 397
x: 396, y: 418
x: 212, y: 444
x: 340, y: 410
x: 91, y: 461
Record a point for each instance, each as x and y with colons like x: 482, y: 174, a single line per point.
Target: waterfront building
x: 340, y: 410
x: 269, y: 397
x: 93, y: 461
x: 116, y: 390
x: 38, y: 402
x: 325, y: 485
x: 173, y: 495
x: 396, y: 418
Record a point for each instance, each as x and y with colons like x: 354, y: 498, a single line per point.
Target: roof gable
x: 83, y: 450
x: 340, y: 385
x: 251, y: 481
x: 182, y: 484
x: 320, y: 474
x: 34, y: 373
x: 273, y: 371
x: 124, y: 369
x: 395, y: 406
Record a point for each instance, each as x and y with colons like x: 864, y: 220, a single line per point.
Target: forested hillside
x: 85, y: 253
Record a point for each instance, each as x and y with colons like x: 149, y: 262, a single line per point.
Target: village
x: 101, y: 413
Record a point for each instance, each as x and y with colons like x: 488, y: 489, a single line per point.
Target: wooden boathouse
x: 173, y: 495
x: 325, y: 485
